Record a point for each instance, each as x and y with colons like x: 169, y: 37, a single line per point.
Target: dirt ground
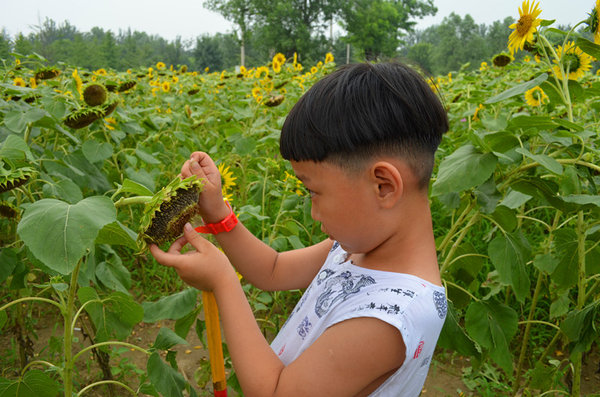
x: 444, y: 376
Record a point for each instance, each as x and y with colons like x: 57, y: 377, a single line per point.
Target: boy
x: 362, y: 140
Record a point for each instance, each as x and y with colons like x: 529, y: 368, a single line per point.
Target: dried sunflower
x: 12, y: 178
x: 169, y: 210
x: 95, y: 94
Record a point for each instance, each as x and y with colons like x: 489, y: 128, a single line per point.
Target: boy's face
x: 343, y: 202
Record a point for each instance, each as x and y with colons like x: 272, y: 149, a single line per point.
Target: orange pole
x: 215, y: 347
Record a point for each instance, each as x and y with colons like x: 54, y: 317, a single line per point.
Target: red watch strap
x: 224, y: 226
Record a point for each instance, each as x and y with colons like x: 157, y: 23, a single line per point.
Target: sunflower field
x: 514, y: 201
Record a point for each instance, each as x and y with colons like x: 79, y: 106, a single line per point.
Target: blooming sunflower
x: 160, y: 65
x: 594, y: 22
x: 573, y: 60
x: 329, y: 57
x: 536, y: 97
x: 525, y: 27
x: 276, y: 67
x: 483, y: 67
x: 279, y: 58
x: 166, y: 86
x: 228, y: 181
x: 18, y: 81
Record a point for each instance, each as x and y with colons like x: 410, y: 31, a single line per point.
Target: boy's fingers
x: 194, y: 238
x: 161, y: 256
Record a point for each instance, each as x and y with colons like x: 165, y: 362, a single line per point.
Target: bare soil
x: 445, y: 375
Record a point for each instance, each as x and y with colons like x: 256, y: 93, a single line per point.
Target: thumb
x: 194, y: 238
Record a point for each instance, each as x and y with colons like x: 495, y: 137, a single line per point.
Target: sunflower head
x: 12, y: 178
x: 127, y: 85
x: 169, y: 210
x: 525, y: 27
x: 95, y: 94
x: 109, y: 107
x: 7, y: 210
x: 574, y: 61
x: 594, y: 22
x: 46, y: 73
x: 501, y: 60
x: 536, y: 97
x: 82, y: 118
x: 274, y: 100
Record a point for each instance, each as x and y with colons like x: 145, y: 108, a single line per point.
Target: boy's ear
x: 388, y: 182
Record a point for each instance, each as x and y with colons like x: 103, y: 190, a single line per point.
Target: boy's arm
x: 260, y: 264
x: 345, y: 360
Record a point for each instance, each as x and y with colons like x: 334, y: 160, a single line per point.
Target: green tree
x: 240, y: 12
x: 5, y: 45
x: 376, y: 26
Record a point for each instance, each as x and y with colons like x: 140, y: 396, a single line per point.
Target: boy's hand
x: 206, y: 268
x: 212, y: 207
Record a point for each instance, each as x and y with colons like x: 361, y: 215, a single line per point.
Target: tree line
x: 351, y: 30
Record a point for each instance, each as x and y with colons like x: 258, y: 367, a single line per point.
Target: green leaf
x: 114, y: 276
x: 15, y: 148
x: 183, y: 325
x: 518, y: 89
x: 113, y: 316
x: 544, y: 160
x: 59, y: 234
x: 514, y: 199
x: 164, y: 378
x: 584, y: 200
x: 3, y: 319
x: 95, y: 151
x: 33, y: 383
x: 506, y: 218
x: 8, y: 259
x: 588, y: 47
x: 454, y: 337
x: 145, y: 156
x: 117, y: 234
x: 463, y: 169
x: 136, y: 188
x: 493, y: 325
x: 510, y: 253
x: 546, y: 263
x: 172, y: 307
x: 579, y: 327
x: 15, y: 122
x: 64, y: 189
x: 565, y: 273
x: 535, y: 122
x: 295, y: 242
x: 167, y: 339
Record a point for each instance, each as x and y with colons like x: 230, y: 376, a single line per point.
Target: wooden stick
x: 215, y: 347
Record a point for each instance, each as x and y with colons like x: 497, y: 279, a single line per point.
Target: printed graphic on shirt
x: 398, y: 291
x: 334, y: 247
x: 441, y: 305
x: 339, y: 288
x: 390, y: 308
x: 419, y: 349
x: 304, y: 327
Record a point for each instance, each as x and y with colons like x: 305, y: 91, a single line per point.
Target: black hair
x: 365, y: 110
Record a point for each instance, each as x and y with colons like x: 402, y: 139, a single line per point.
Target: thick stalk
x: 457, y: 242
x: 576, y: 359
x: 534, y: 301
x: 68, y: 334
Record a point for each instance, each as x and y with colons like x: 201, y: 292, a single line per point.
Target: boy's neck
x: 409, y: 248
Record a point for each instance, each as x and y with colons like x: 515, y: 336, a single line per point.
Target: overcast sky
x: 188, y: 19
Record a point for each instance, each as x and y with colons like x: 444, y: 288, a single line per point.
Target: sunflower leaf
x: 518, y: 89
x: 588, y: 47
